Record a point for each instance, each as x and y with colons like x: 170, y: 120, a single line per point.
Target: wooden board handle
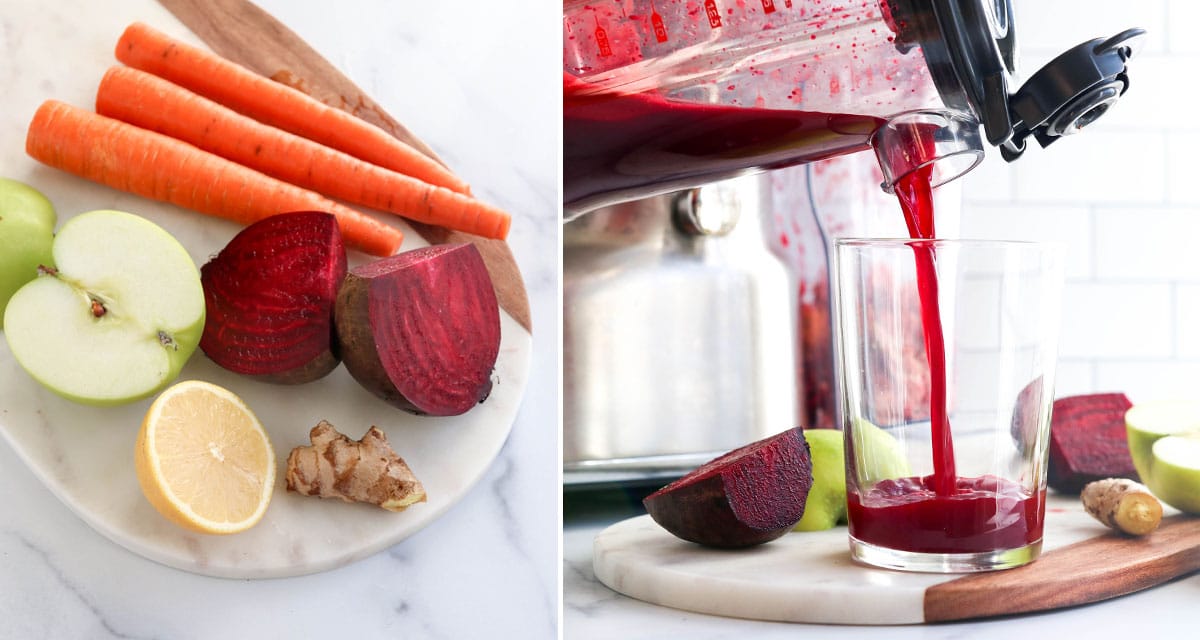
x: 1088, y: 571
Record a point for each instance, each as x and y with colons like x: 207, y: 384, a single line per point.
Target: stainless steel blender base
x: 640, y: 470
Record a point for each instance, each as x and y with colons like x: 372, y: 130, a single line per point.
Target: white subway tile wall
x: 1182, y: 161
x: 1123, y: 196
x: 1180, y: 33
x: 1187, y: 318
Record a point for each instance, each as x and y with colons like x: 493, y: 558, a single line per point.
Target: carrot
x: 155, y: 166
x: 278, y: 105
x: 149, y: 102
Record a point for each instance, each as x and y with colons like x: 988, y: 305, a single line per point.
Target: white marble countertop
x: 592, y: 610
x: 473, y: 83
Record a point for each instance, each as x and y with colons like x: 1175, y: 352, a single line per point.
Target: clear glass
x: 974, y: 501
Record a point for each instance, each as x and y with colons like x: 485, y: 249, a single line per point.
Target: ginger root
x: 1122, y: 504
x: 366, y: 470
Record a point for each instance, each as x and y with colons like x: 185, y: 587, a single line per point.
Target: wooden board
x: 1089, y: 571
x: 809, y: 577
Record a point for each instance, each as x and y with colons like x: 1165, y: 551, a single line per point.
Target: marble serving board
x: 84, y: 454
x: 810, y: 577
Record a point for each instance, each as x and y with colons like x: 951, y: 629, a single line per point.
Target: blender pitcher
x: 661, y: 95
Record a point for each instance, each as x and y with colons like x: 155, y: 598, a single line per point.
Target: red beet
x: 269, y: 297
x: 746, y: 497
x: 1088, y: 441
x: 421, y: 329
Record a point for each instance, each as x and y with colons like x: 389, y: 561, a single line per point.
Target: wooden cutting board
x: 251, y: 37
x: 809, y: 577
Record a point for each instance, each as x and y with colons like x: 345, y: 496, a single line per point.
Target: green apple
x: 826, y: 504
x: 118, y: 317
x: 877, y: 453
x: 1164, y: 442
x: 26, y: 231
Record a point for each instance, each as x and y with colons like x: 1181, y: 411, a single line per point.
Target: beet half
x: 269, y: 297
x: 748, y: 496
x: 1088, y: 441
x: 421, y: 329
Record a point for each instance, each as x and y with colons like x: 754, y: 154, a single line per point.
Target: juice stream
x: 915, y: 193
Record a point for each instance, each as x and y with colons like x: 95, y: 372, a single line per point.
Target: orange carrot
x: 155, y: 166
x: 278, y: 105
x: 149, y: 102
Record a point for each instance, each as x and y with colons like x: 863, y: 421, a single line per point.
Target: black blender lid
x: 1071, y: 91
x: 969, y: 46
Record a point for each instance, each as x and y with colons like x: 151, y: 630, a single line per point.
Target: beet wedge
x: 748, y: 496
x: 1088, y: 441
x: 269, y: 297
x: 421, y: 329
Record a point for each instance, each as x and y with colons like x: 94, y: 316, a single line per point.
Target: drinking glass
x: 970, y: 347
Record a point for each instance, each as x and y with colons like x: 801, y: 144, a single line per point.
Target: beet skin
x: 748, y: 496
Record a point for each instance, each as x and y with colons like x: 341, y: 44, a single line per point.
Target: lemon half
x: 204, y: 460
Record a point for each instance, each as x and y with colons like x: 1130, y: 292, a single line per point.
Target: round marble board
x: 85, y: 454
x: 809, y: 577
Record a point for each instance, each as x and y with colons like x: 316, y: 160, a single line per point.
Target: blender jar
x: 799, y: 54
x: 665, y: 94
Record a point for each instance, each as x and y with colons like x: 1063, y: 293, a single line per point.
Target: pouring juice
x: 943, y: 512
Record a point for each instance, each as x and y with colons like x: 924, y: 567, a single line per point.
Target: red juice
x: 941, y: 512
x: 621, y: 146
x: 979, y: 515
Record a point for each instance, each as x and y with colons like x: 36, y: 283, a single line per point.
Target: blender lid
x: 970, y: 49
x: 1071, y: 91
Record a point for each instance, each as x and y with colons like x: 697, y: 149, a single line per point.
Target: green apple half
x: 118, y: 317
x: 879, y: 456
x: 826, y: 503
x: 26, y: 232
x: 1164, y: 441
